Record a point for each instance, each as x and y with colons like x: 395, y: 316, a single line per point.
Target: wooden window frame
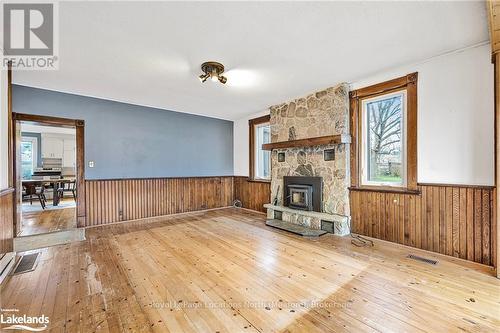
x: 408, y: 83
x: 251, y: 138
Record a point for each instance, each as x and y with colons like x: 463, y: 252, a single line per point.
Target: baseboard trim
x: 153, y: 218
x: 251, y: 210
x: 432, y: 254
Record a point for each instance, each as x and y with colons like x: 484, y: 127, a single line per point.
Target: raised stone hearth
x: 308, y: 219
x: 320, y: 114
x: 295, y: 228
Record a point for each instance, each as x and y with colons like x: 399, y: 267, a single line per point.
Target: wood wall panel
x: 252, y: 194
x: 6, y: 220
x: 109, y: 201
x: 452, y: 220
x: 493, y: 7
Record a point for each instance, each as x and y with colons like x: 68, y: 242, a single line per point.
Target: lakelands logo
x: 22, y: 322
x: 30, y: 38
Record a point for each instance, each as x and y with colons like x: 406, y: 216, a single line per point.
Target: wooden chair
x: 30, y: 190
x: 67, y: 187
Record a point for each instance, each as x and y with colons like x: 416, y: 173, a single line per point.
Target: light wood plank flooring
x: 225, y: 271
x: 49, y: 220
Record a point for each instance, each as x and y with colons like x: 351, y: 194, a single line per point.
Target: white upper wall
x: 455, y: 118
x: 241, y: 152
x: 4, y: 136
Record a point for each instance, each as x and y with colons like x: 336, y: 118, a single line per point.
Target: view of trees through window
x: 384, y: 117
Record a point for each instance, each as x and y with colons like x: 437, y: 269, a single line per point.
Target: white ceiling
x: 149, y: 53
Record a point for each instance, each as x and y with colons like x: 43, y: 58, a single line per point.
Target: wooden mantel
x: 309, y: 142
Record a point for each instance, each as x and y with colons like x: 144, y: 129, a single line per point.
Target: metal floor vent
x: 422, y: 259
x: 27, y: 263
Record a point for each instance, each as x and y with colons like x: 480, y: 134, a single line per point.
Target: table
x: 55, y: 185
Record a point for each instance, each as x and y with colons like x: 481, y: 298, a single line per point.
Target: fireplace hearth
x: 303, y: 193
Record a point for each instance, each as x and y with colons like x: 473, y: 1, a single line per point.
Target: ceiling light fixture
x: 212, y: 70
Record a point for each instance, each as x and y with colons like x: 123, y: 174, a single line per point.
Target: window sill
x: 256, y: 180
x: 383, y: 189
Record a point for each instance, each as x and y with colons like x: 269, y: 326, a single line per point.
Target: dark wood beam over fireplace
x: 309, y: 142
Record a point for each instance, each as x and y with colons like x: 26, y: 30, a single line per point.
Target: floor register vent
x: 27, y: 263
x: 422, y: 259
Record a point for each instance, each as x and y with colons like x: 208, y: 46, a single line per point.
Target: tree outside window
x: 383, y: 130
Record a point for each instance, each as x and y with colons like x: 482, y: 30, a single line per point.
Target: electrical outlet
x: 91, y: 164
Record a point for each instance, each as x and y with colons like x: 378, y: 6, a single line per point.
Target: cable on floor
x: 360, y: 241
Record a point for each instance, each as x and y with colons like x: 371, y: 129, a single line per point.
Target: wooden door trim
x: 47, y: 120
x: 79, y: 126
x: 9, y: 124
x: 11, y: 142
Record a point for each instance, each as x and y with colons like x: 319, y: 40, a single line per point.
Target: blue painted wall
x: 130, y: 141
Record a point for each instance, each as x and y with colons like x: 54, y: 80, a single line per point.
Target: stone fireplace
x: 324, y: 113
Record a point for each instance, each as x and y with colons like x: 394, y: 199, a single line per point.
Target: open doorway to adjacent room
x: 47, y: 174
x: 48, y: 170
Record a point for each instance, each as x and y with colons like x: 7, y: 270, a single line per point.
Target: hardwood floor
x: 225, y: 271
x: 49, y: 220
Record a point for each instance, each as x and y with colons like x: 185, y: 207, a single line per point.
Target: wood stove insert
x: 305, y: 193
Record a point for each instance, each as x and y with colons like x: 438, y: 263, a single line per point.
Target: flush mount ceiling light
x: 212, y: 70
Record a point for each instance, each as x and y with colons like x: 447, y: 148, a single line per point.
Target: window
x: 384, y: 132
x: 28, y: 157
x: 383, y: 145
x: 260, y: 160
x: 263, y: 160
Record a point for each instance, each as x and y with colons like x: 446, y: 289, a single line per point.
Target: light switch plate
x: 91, y: 164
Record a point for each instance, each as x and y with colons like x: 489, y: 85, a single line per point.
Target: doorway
x: 48, y: 174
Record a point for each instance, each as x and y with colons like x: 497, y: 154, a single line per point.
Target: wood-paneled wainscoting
x: 6, y: 218
x: 116, y: 200
x: 252, y: 194
x: 450, y: 219
x: 109, y: 201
